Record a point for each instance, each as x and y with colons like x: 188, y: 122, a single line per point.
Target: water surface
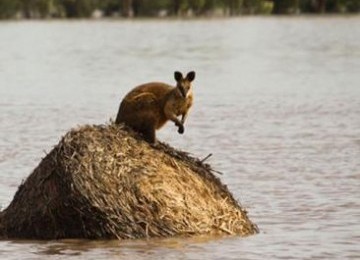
x: 277, y: 103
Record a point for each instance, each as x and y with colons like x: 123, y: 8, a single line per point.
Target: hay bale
x: 106, y: 182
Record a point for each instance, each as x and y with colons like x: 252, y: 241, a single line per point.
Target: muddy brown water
x: 277, y: 103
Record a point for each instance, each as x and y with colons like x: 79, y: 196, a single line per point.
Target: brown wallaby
x: 148, y: 107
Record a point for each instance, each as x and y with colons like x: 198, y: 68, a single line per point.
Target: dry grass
x: 106, y: 182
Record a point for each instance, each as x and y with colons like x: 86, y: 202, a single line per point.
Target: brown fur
x: 148, y: 107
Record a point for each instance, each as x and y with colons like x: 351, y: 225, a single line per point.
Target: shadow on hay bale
x: 106, y: 182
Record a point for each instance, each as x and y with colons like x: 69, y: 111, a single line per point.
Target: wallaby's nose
x: 183, y: 92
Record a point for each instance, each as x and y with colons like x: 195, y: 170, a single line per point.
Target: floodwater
x: 277, y: 104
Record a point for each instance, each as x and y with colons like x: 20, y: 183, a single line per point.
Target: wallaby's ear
x: 178, y: 76
x: 190, y: 76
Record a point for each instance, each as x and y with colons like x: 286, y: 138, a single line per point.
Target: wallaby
x: 148, y: 107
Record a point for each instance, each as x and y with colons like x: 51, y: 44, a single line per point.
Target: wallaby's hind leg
x: 149, y: 134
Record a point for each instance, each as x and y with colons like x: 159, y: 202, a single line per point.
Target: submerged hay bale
x: 106, y: 182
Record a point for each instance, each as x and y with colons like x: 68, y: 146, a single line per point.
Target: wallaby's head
x: 184, y: 84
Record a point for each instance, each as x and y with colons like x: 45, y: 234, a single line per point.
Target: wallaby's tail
x: 118, y: 119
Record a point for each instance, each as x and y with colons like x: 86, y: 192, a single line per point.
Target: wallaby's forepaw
x: 181, y: 129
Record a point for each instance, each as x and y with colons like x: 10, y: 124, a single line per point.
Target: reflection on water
x: 276, y: 102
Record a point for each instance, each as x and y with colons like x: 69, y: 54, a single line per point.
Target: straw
x: 105, y: 182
